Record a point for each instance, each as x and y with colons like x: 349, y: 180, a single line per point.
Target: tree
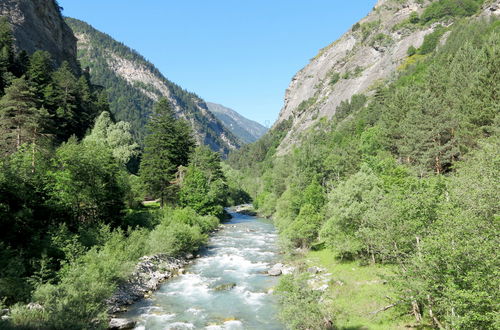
x: 6, y: 51
x: 19, y: 116
x: 116, y: 136
x: 204, y: 186
x: 168, y: 146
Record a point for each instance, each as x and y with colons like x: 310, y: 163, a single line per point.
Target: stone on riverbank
x: 276, y: 270
x: 149, y: 273
x: 121, y: 324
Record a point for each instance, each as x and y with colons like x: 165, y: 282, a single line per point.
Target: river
x: 225, y: 288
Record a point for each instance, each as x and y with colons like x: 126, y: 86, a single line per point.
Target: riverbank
x: 354, y: 296
x: 227, y: 286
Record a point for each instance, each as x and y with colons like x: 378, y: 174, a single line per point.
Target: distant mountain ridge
x: 134, y: 85
x: 246, y: 130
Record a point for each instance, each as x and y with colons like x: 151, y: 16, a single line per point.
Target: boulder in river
x: 224, y: 287
x: 121, y: 324
x: 276, y: 270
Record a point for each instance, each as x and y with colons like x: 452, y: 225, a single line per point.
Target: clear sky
x: 241, y: 54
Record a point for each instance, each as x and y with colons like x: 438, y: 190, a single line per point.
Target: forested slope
x: 133, y: 85
x: 73, y: 225
x: 406, y: 177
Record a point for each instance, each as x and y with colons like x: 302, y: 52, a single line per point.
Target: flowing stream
x: 226, y: 288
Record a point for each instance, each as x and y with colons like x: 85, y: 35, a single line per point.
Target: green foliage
x: 168, y: 146
x: 414, y: 18
x: 115, y: 136
x: 306, y: 105
x: 398, y: 191
x: 449, y: 9
x: 431, y: 41
x: 334, y: 78
x: 204, y: 185
x: 411, y: 51
x: 174, y: 238
x: 300, y: 307
x: 133, y: 103
x: 85, y: 180
x: 347, y: 107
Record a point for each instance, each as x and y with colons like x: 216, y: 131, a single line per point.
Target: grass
x: 356, y: 291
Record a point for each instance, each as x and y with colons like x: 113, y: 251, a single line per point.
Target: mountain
x: 246, y: 130
x: 134, y: 85
x: 370, y: 52
x: 38, y: 25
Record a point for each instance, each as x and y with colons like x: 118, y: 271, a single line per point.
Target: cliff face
x: 370, y: 52
x: 134, y: 85
x: 38, y: 24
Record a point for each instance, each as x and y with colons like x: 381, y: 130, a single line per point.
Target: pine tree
x: 19, y: 117
x: 6, y: 51
x: 168, y: 146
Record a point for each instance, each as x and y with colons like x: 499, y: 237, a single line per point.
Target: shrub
x: 175, y: 238
x: 299, y: 304
x: 431, y: 41
x: 411, y: 51
x: 450, y: 8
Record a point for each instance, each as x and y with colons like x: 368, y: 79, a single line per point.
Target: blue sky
x: 241, y: 54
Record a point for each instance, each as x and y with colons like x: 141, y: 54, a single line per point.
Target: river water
x: 226, y: 288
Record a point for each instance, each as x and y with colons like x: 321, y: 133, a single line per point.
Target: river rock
x: 224, y: 287
x: 149, y: 273
x: 245, y: 209
x: 313, y: 270
x: 287, y: 270
x: 121, y: 324
x: 276, y: 270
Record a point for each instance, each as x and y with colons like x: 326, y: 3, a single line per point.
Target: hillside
x: 246, y: 130
x: 134, y: 84
x: 370, y: 52
x: 381, y: 174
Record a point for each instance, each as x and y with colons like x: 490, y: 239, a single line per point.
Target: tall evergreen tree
x: 168, y: 146
x: 19, y: 117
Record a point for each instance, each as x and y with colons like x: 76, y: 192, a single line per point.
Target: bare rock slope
x: 370, y: 52
x: 38, y: 25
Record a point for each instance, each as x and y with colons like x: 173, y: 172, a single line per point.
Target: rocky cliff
x: 39, y: 25
x: 134, y: 85
x: 369, y: 53
x: 246, y: 130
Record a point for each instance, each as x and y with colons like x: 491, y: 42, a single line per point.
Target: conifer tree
x: 168, y: 146
x: 19, y: 117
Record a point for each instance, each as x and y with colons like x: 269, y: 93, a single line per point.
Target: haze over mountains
x: 246, y: 130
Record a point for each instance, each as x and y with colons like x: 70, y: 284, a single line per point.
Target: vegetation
x: 450, y: 8
x: 133, y: 103
x: 406, y: 180
x: 71, y: 212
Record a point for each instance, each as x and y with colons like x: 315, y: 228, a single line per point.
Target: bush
x: 431, y: 41
x: 175, y: 238
x: 450, y: 8
x: 411, y: 51
x: 299, y: 304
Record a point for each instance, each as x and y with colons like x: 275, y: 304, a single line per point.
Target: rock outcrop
x: 149, y: 273
x: 39, y: 25
x: 369, y: 53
